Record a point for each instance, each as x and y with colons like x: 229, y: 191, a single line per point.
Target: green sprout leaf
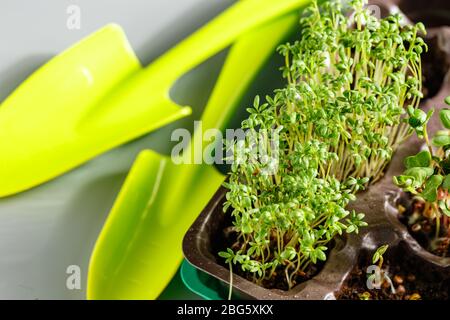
x: 417, y: 175
x: 289, y: 253
x: 446, y: 182
x: 417, y: 118
x: 441, y: 140
x: 443, y: 205
x: 379, y: 253
x: 447, y: 100
x: 444, y: 115
x: 422, y: 159
x: 430, y: 191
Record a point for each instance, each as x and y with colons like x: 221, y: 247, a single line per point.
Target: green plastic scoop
x: 96, y: 96
x: 83, y: 102
x: 139, y: 248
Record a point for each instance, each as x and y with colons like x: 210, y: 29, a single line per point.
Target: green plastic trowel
x: 96, y: 96
x: 88, y: 99
x: 139, y: 248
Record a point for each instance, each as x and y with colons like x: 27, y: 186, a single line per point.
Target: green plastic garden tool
x: 96, y: 96
x: 139, y: 248
x: 84, y: 101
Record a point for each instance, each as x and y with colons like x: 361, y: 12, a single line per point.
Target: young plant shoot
x: 427, y: 178
x: 331, y: 130
x: 382, y: 274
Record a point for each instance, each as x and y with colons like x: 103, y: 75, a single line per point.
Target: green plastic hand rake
x: 96, y: 96
x: 139, y: 248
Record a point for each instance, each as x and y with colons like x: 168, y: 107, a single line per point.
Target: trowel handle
x: 220, y: 33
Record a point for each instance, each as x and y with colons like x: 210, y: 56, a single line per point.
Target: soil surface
x: 410, y: 279
x: 423, y: 229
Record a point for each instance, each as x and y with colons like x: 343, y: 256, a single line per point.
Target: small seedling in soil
x: 378, y: 256
x: 325, y: 136
x: 401, y: 278
x: 380, y: 276
x: 427, y: 179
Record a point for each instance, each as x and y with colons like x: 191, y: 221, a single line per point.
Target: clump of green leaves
x: 350, y: 79
x: 427, y: 174
x: 285, y: 221
x: 323, y: 137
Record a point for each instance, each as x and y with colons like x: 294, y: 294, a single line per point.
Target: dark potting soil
x: 411, y: 280
x: 423, y: 230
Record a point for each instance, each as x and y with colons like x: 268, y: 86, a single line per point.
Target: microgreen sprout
x: 229, y: 256
x: 378, y: 256
x: 427, y: 174
x: 381, y: 275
